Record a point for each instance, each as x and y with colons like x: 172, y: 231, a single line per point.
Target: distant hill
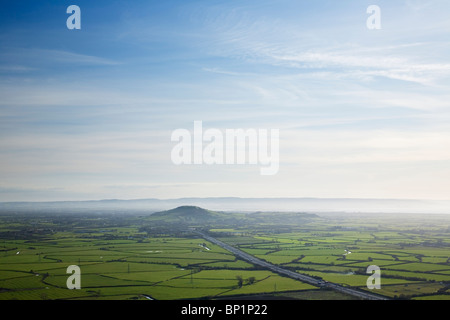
x: 191, y: 214
x: 198, y: 215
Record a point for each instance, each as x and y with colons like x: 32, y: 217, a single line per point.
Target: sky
x: 88, y: 114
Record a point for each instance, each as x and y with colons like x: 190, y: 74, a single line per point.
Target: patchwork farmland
x: 124, y: 257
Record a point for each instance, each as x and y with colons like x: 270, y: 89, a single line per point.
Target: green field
x: 126, y: 261
x: 162, y: 268
x: 414, y: 259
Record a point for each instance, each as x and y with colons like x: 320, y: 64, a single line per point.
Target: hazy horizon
x: 228, y: 204
x: 229, y: 197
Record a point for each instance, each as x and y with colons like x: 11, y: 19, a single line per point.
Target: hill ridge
x: 189, y: 213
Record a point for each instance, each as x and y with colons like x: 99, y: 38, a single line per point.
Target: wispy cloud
x: 243, y: 35
x: 70, y: 57
x: 15, y: 68
x: 26, y: 59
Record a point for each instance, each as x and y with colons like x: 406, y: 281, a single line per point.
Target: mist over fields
x: 238, y: 205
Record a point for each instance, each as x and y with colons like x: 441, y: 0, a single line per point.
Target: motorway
x: 291, y: 274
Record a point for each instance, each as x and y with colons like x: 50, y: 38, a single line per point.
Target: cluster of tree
x: 242, y: 282
x: 25, y: 233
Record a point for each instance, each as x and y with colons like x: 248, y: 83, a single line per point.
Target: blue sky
x: 88, y: 114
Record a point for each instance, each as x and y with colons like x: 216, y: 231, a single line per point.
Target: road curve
x: 291, y: 274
